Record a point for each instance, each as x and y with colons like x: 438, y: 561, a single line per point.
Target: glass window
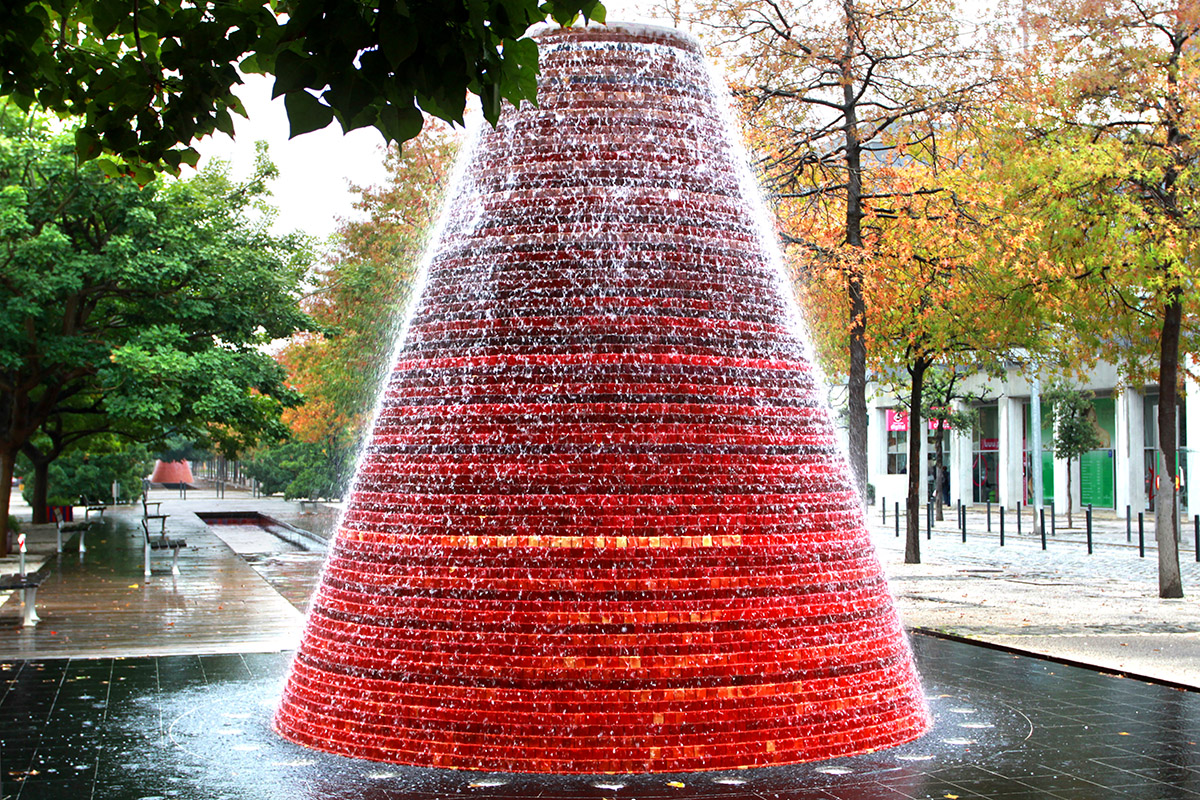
x: 897, y: 452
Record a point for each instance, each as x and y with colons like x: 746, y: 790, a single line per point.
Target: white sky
x: 316, y: 169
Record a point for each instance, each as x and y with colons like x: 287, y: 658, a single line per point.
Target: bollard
x: 883, y: 507
x: 989, y: 515
x: 1018, y: 518
x: 896, y: 516
x: 962, y: 519
x: 1043, y: 527
x: 1141, y: 536
x: 1089, y: 528
x: 1053, y: 523
x: 1128, y: 524
x: 1196, y: 526
x: 929, y: 521
x: 1002, y: 526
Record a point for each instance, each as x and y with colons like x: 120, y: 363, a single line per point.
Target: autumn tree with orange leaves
x: 359, y: 298
x: 944, y: 286
x: 1103, y: 155
x: 833, y: 92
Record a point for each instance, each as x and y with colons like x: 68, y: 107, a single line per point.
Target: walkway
x: 1101, y: 609
x: 99, y: 603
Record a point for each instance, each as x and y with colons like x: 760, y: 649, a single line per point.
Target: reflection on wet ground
x: 198, y: 727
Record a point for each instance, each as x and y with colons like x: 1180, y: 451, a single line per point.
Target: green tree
x: 947, y: 408
x: 1074, y: 430
x: 1106, y: 158
x: 90, y: 470
x: 135, y: 311
x: 149, y: 77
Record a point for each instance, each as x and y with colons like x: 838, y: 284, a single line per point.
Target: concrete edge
x: 1070, y: 662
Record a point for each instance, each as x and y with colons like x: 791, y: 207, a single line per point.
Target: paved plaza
x: 136, y: 687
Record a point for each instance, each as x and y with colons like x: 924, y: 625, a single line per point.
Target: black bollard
x: 1043, y: 527
x: 1089, y: 528
x: 929, y: 521
x: 1053, y: 523
x: 1196, y: 525
x: 1002, y: 526
x: 1128, y: 524
x: 1018, y: 518
x: 883, y: 507
x: 1141, y: 536
x: 896, y: 516
x: 989, y: 515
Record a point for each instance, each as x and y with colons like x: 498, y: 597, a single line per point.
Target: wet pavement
x: 1005, y: 726
x: 1100, y: 608
x: 163, y: 687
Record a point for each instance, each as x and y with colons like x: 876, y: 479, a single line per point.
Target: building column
x: 960, y: 461
x: 1010, y: 456
x: 1130, y: 424
x: 1191, y: 423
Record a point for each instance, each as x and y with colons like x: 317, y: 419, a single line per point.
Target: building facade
x: 993, y: 462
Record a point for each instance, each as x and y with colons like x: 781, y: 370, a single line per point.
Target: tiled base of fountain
x: 602, y: 524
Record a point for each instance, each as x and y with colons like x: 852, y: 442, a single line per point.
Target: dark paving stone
x: 1006, y: 727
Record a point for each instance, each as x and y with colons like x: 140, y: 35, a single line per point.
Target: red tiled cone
x: 602, y: 524
x: 172, y: 473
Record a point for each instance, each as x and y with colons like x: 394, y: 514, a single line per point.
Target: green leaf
x: 401, y: 124
x: 305, y: 113
x: 292, y: 73
x: 87, y: 146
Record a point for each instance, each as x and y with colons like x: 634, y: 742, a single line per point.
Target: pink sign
x: 897, y: 420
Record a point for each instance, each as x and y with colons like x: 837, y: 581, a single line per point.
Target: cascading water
x: 602, y: 523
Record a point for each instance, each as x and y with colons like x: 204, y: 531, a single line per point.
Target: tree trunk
x: 41, y: 489
x: 1166, y: 522
x: 856, y: 379
x: 8, y: 461
x: 912, y: 544
x: 41, y: 479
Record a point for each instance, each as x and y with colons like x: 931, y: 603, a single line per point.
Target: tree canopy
x: 136, y: 310
x: 150, y: 77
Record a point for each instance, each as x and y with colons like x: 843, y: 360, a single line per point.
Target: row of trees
x: 134, y: 313
x: 358, y: 298
x: 133, y: 310
x: 962, y: 196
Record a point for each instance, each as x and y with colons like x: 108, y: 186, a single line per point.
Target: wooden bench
x: 28, y: 586
x: 70, y: 527
x: 89, y: 506
x: 147, y: 516
x: 159, y: 542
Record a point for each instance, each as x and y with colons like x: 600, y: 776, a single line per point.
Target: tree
x: 90, y: 470
x: 943, y: 394
x: 150, y: 77
x: 833, y: 91
x: 361, y: 291
x: 1108, y: 160
x: 944, y: 287
x: 1074, y: 431
x: 135, y: 311
x: 359, y: 298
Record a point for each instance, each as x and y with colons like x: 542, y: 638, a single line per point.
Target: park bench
x: 159, y: 542
x: 99, y: 506
x: 155, y: 515
x: 70, y: 527
x: 27, y: 585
